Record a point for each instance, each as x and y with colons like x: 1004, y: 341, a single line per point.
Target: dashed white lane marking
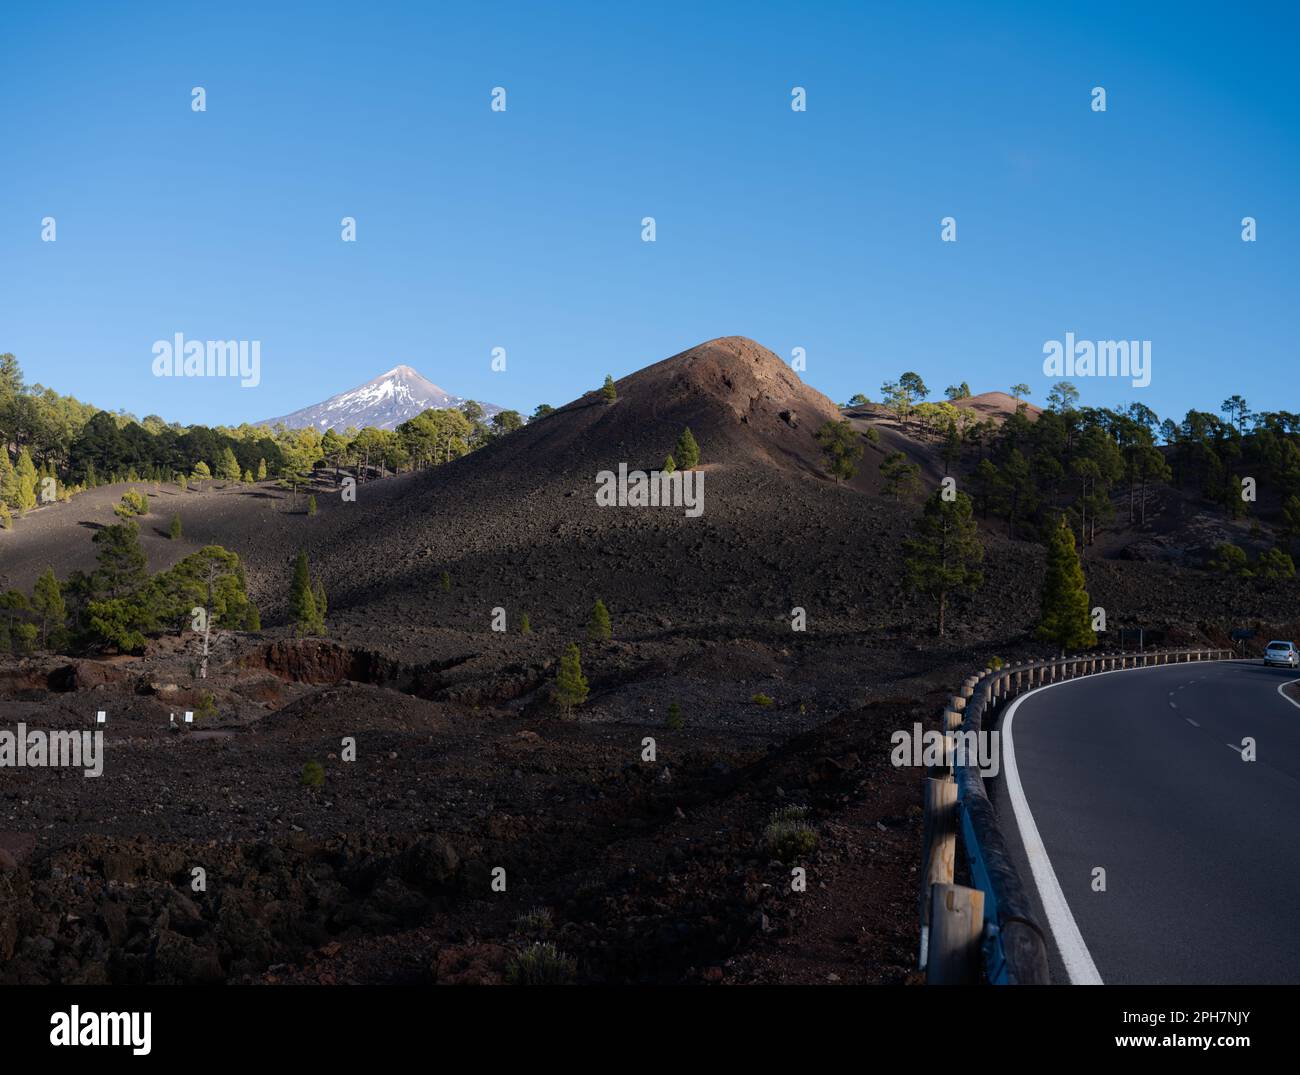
x: 1191, y: 722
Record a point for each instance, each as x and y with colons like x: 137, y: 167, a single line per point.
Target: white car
x: 1283, y: 653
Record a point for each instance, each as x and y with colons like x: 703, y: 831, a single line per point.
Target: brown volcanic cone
x: 999, y: 405
x: 742, y: 403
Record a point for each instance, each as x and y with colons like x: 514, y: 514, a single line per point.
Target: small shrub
x: 789, y: 835
x: 761, y: 699
x: 525, y: 625
x: 313, y: 775
x: 537, y: 920
x: 311, y: 505
x: 446, y: 582
x: 996, y: 662
x: 207, y: 708
x: 675, y: 722
x: 540, y: 964
x: 133, y: 503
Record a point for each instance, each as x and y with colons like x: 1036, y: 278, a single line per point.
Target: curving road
x: 1141, y: 773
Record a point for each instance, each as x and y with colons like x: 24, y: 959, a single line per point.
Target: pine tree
x: 318, y: 595
x: 944, y: 556
x: 687, y: 452
x: 842, y: 448
x: 26, y: 482
x: 311, y: 504
x: 598, y: 628
x: 670, y: 464
x: 228, y: 466
x: 608, y: 392
x: 174, y: 527
x: 122, y: 564
x: 570, y: 684
x: 1065, y: 614
x: 261, y: 470
x: 900, y: 476
x: 201, y: 473
x: 47, y: 603
x: 525, y: 625
x: 445, y: 582
x: 8, y: 480
x: 302, y: 602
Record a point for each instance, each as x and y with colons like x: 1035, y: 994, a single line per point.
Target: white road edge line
x: 1069, y: 941
x: 1284, y: 693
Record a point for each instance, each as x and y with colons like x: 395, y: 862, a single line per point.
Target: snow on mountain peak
x: 384, y: 402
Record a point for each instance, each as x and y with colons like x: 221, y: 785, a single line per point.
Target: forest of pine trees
x: 46, y: 435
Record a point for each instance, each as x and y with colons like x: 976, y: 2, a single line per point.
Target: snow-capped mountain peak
x: 385, y: 403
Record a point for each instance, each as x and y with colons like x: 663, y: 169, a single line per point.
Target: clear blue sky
x: 522, y: 230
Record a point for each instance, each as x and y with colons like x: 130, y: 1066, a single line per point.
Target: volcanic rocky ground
x: 640, y: 871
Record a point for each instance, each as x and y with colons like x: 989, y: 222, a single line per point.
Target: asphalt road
x: 1141, y: 773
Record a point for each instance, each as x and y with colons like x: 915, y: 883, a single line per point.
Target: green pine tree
x: 670, y: 464
x: 525, y: 625
x: 122, y: 564
x: 306, y: 617
x: 8, y: 480
x: 901, y: 477
x: 174, y: 527
x: 687, y: 452
x: 608, y: 392
x: 311, y: 505
x: 943, y: 557
x: 570, y: 684
x: 26, y: 482
x: 842, y: 448
x: 228, y: 466
x: 598, y: 628
x: 445, y: 582
x: 261, y: 470
x: 48, y: 604
x: 1065, y: 612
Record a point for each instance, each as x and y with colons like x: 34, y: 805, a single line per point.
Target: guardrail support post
x: 956, y: 925
x: 939, y: 849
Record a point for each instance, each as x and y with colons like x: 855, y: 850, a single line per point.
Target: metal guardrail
x: 989, y: 932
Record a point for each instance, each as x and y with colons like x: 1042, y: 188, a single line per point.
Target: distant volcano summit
x: 384, y: 403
